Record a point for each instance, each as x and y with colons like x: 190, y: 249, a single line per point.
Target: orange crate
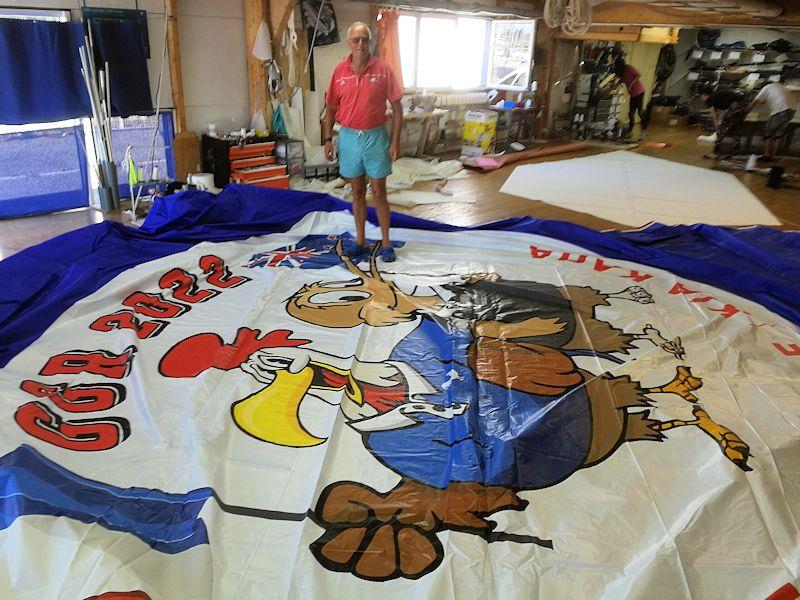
x: 258, y: 161
x: 247, y: 175
x: 281, y: 182
x: 251, y: 150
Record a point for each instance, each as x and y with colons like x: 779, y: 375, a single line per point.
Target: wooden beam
x: 175, y: 71
x: 610, y: 33
x: 255, y: 13
x: 279, y: 11
x: 544, y: 57
x: 640, y: 13
x: 186, y: 145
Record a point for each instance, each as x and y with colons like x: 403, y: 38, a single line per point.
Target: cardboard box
x: 662, y: 115
x: 480, y: 133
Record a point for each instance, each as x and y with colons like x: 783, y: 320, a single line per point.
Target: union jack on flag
x: 312, y: 252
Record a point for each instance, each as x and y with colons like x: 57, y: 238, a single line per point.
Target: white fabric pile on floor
x: 335, y: 187
x: 416, y: 197
x: 634, y: 190
x: 405, y: 173
x: 341, y: 189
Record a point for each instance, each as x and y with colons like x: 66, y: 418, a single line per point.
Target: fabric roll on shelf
x: 312, y: 111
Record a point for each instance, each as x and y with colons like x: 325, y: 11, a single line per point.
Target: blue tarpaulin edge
x: 757, y: 263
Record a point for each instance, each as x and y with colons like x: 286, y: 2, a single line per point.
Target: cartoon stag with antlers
x: 482, y: 400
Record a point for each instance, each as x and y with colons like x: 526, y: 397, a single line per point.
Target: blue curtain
x: 42, y: 171
x: 40, y: 78
x: 119, y: 42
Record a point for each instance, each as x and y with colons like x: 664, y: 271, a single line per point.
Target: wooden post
x: 175, y: 71
x: 544, y: 56
x: 186, y: 145
x: 279, y: 11
x: 255, y: 13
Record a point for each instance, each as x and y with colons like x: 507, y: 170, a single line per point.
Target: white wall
x: 326, y: 57
x: 214, y: 61
x: 213, y: 55
x: 678, y: 84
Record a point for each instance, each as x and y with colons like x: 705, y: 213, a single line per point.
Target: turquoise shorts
x: 364, y: 151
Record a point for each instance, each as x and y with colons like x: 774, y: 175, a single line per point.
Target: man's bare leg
x: 778, y: 144
x: 767, y: 146
x: 360, y: 207
x: 382, y: 208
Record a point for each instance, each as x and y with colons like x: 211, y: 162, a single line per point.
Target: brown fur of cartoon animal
x: 522, y: 334
x: 532, y: 316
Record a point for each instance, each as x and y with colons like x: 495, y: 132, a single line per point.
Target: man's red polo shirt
x: 361, y: 99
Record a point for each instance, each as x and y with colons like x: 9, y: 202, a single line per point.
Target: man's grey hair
x: 355, y: 26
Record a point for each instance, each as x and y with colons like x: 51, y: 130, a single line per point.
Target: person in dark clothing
x: 728, y: 110
x: 630, y: 77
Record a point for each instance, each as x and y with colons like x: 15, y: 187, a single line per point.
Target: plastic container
x: 480, y: 132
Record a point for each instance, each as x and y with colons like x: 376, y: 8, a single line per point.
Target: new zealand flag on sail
x: 312, y: 252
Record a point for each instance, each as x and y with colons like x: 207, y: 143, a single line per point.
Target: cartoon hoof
x: 385, y: 536
x: 365, y: 536
x: 379, y: 553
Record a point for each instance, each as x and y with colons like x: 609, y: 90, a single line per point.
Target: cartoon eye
x: 340, y: 284
x: 339, y: 297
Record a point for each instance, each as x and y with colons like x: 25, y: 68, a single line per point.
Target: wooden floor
x: 17, y: 234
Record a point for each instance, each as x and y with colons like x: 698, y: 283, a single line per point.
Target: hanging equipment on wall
x: 572, y: 16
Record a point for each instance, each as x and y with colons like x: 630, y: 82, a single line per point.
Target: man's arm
x: 327, y: 129
x: 397, y: 126
x: 756, y: 101
x: 714, y: 118
x: 752, y: 105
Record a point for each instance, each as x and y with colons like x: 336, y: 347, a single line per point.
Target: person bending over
x: 782, y: 106
x: 728, y: 110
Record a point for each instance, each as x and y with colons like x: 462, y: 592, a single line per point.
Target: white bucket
x: 203, y: 181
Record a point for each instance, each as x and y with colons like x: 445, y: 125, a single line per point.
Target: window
x: 42, y: 168
x: 444, y: 52
x: 511, y: 53
x: 35, y: 14
x: 47, y: 167
x: 140, y: 133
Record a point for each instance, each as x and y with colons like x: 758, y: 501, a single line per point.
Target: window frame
x: 60, y: 15
x: 514, y: 88
x: 449, y: 16
x: 489, y: 45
